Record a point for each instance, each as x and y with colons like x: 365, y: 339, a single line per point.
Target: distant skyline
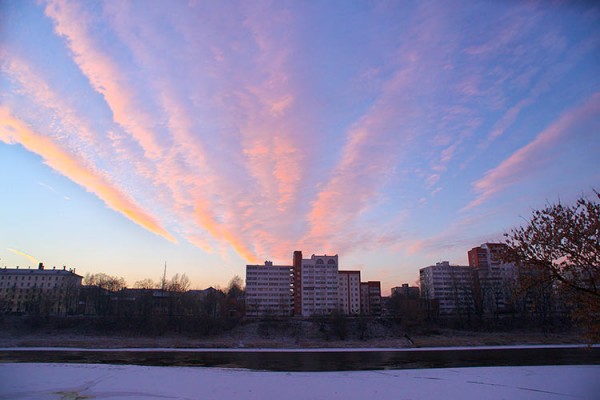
x: 212, y: 135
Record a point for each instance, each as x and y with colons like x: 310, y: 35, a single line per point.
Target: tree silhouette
x: 563, y: 242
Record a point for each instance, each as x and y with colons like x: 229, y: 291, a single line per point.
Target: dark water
x: 330, y: 360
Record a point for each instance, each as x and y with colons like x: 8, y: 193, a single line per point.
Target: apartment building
x: 310, y: 286
x: 46, y: 291
x: 370, y: 298
x: 317, y: 284
x: 450, y: 285
x: 349, y: 292
x: 269, y: 290
x: 405, y: 291
x: 493, y: 280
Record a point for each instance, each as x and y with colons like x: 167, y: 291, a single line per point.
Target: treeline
x: 107, y: 295
x: 105, y: 305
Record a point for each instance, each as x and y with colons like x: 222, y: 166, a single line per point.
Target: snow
x: 100, y: 381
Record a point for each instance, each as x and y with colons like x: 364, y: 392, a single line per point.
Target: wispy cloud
x: 14, y: 131
x: 27, y: 256
x: 45, y: 185
x: 530, y: 159
x: 73, y: 23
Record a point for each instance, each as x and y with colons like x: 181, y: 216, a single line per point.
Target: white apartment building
x: 269, y: 290
x: 319, y: 285
x: 450, y: 285
x: 46, y: 291
x: 349, y: 292
x: 494, y: 280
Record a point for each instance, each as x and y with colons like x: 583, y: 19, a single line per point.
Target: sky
x: 208, y: 135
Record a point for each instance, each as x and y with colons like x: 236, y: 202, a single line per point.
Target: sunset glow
x: 210, y: 135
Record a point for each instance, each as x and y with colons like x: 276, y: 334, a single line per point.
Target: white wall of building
x: 349, y: 292
x: 451, y: 285
x: 269, y: 290
x: 319, y: 285
x: 21, y: 289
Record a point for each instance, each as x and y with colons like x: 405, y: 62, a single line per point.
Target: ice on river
x: 98, y: 381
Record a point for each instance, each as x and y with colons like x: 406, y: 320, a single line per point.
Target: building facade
x: 450, y: 285
x: 269, y: 290
x: 39, y: 291
x: 310, y: 286
x: 318, y: 285
x: 405, y: 291
x: 297, y: 282
x: 494, y: 281
x: 349, y: 292
x: 370, y: 298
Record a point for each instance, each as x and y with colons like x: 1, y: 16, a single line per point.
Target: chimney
x: 41, y: 266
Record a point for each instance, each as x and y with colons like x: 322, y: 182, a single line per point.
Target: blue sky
x: 210, y: 135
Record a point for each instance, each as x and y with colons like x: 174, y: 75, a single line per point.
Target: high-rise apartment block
x: 297, y: 278
x: 493, y: 279
x: 319, y: 285
x: 269, y: 290
x: 370, y: 298
x: 450, y: 285
x: 310, y: 286
x: 484, y: 287
x: 349, y: 292
x: 406, y: 292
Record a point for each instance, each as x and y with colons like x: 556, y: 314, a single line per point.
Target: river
x: 316, y: 359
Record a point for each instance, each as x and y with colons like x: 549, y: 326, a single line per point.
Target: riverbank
x: 108, y: 332
x: 443, y: 338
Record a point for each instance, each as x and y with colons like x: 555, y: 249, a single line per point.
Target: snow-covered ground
x: 85, y: 381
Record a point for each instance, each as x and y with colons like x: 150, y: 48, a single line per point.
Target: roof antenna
x: 164, y: 279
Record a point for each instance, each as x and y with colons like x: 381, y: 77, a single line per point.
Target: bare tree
x: 178, y: 283
x: 235, y: 288
x: 146, y: 284
x: 97, y: 296
x: 234, y: 297
x: 564, y: 242
x: 104, y: 281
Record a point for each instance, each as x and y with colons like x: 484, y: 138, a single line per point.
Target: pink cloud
x: 15, y: 131
x: 73, y: 24
x: 365, y: 165
x: 528, y: 159
x: 257, y: 108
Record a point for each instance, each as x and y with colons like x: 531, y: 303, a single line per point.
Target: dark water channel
x: 311, y: 360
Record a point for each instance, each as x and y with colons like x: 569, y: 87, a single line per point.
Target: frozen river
x: 129, y: 382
